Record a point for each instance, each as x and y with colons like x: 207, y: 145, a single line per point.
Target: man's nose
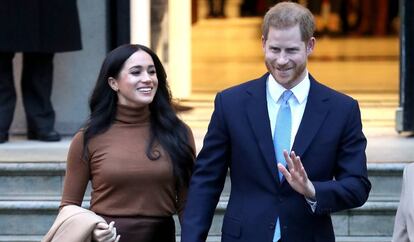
x: 282, y: 59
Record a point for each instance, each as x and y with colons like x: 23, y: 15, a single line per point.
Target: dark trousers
x: 144, y: 228
x: 36, y: 86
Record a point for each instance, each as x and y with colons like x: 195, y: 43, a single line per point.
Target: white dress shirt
x: 297, y: 104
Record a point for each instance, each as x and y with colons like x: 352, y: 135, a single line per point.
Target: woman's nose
x: 146, y: 77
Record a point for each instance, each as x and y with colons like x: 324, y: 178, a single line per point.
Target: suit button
x: 272, y: 226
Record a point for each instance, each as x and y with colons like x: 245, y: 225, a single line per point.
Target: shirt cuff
x: 312, y: 203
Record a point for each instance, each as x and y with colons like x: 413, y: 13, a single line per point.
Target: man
x: 252, y: 127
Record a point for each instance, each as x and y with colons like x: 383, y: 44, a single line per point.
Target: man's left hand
x: 296, y: 175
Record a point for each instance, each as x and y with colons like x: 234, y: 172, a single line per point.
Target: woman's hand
x: 104, y: 232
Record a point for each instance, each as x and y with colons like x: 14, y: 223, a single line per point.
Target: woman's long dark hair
x: 166, y: 128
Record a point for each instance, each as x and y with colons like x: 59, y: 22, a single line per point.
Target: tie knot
x: 286, y: 95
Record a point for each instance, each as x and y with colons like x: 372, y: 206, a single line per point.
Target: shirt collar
x: 300, y: 91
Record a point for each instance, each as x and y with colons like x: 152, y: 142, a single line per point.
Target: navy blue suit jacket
x: 329, y: 141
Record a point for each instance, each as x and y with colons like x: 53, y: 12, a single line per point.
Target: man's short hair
x: 288, y: 14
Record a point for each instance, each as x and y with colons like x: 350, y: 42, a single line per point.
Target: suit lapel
x: 316, y: 109
x: 258, y: 116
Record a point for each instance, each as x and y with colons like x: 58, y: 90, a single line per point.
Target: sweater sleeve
x: 77, y: 173
x: 182, y: 193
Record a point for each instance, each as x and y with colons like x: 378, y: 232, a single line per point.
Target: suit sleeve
x: 208, y: 179
x: 77, y: 174
x: 351, y: 186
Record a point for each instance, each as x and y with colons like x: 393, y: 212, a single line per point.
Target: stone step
x: 338, y: 239
x: 210, y: 239
x: 374, y: 218
x: 22, y: 180
x: 34, y: 218
x: 377, y: 109
x: 363, y: 239
x: 214, y: 39
x: 30, y: 196
x: 20, y: 238
x: 226, y: 52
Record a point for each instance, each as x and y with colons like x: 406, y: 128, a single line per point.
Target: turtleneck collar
x: 132, y: 115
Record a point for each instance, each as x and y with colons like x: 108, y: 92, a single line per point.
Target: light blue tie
x: 283, y: 129
x: 281, y: 141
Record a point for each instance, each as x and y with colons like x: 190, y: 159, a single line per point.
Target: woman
x: 404, y: 220
x: 135, y: 150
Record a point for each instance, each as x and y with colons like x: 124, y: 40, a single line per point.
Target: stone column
x: 405, y: 112
x: 179, y: 48
x: 141, y: 22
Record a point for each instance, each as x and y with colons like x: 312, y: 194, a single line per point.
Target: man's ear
x: 113, y: 84
x: 310, y: 46
x: 263, y: 43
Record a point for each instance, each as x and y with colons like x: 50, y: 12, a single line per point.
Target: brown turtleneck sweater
x: 124, y: 181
